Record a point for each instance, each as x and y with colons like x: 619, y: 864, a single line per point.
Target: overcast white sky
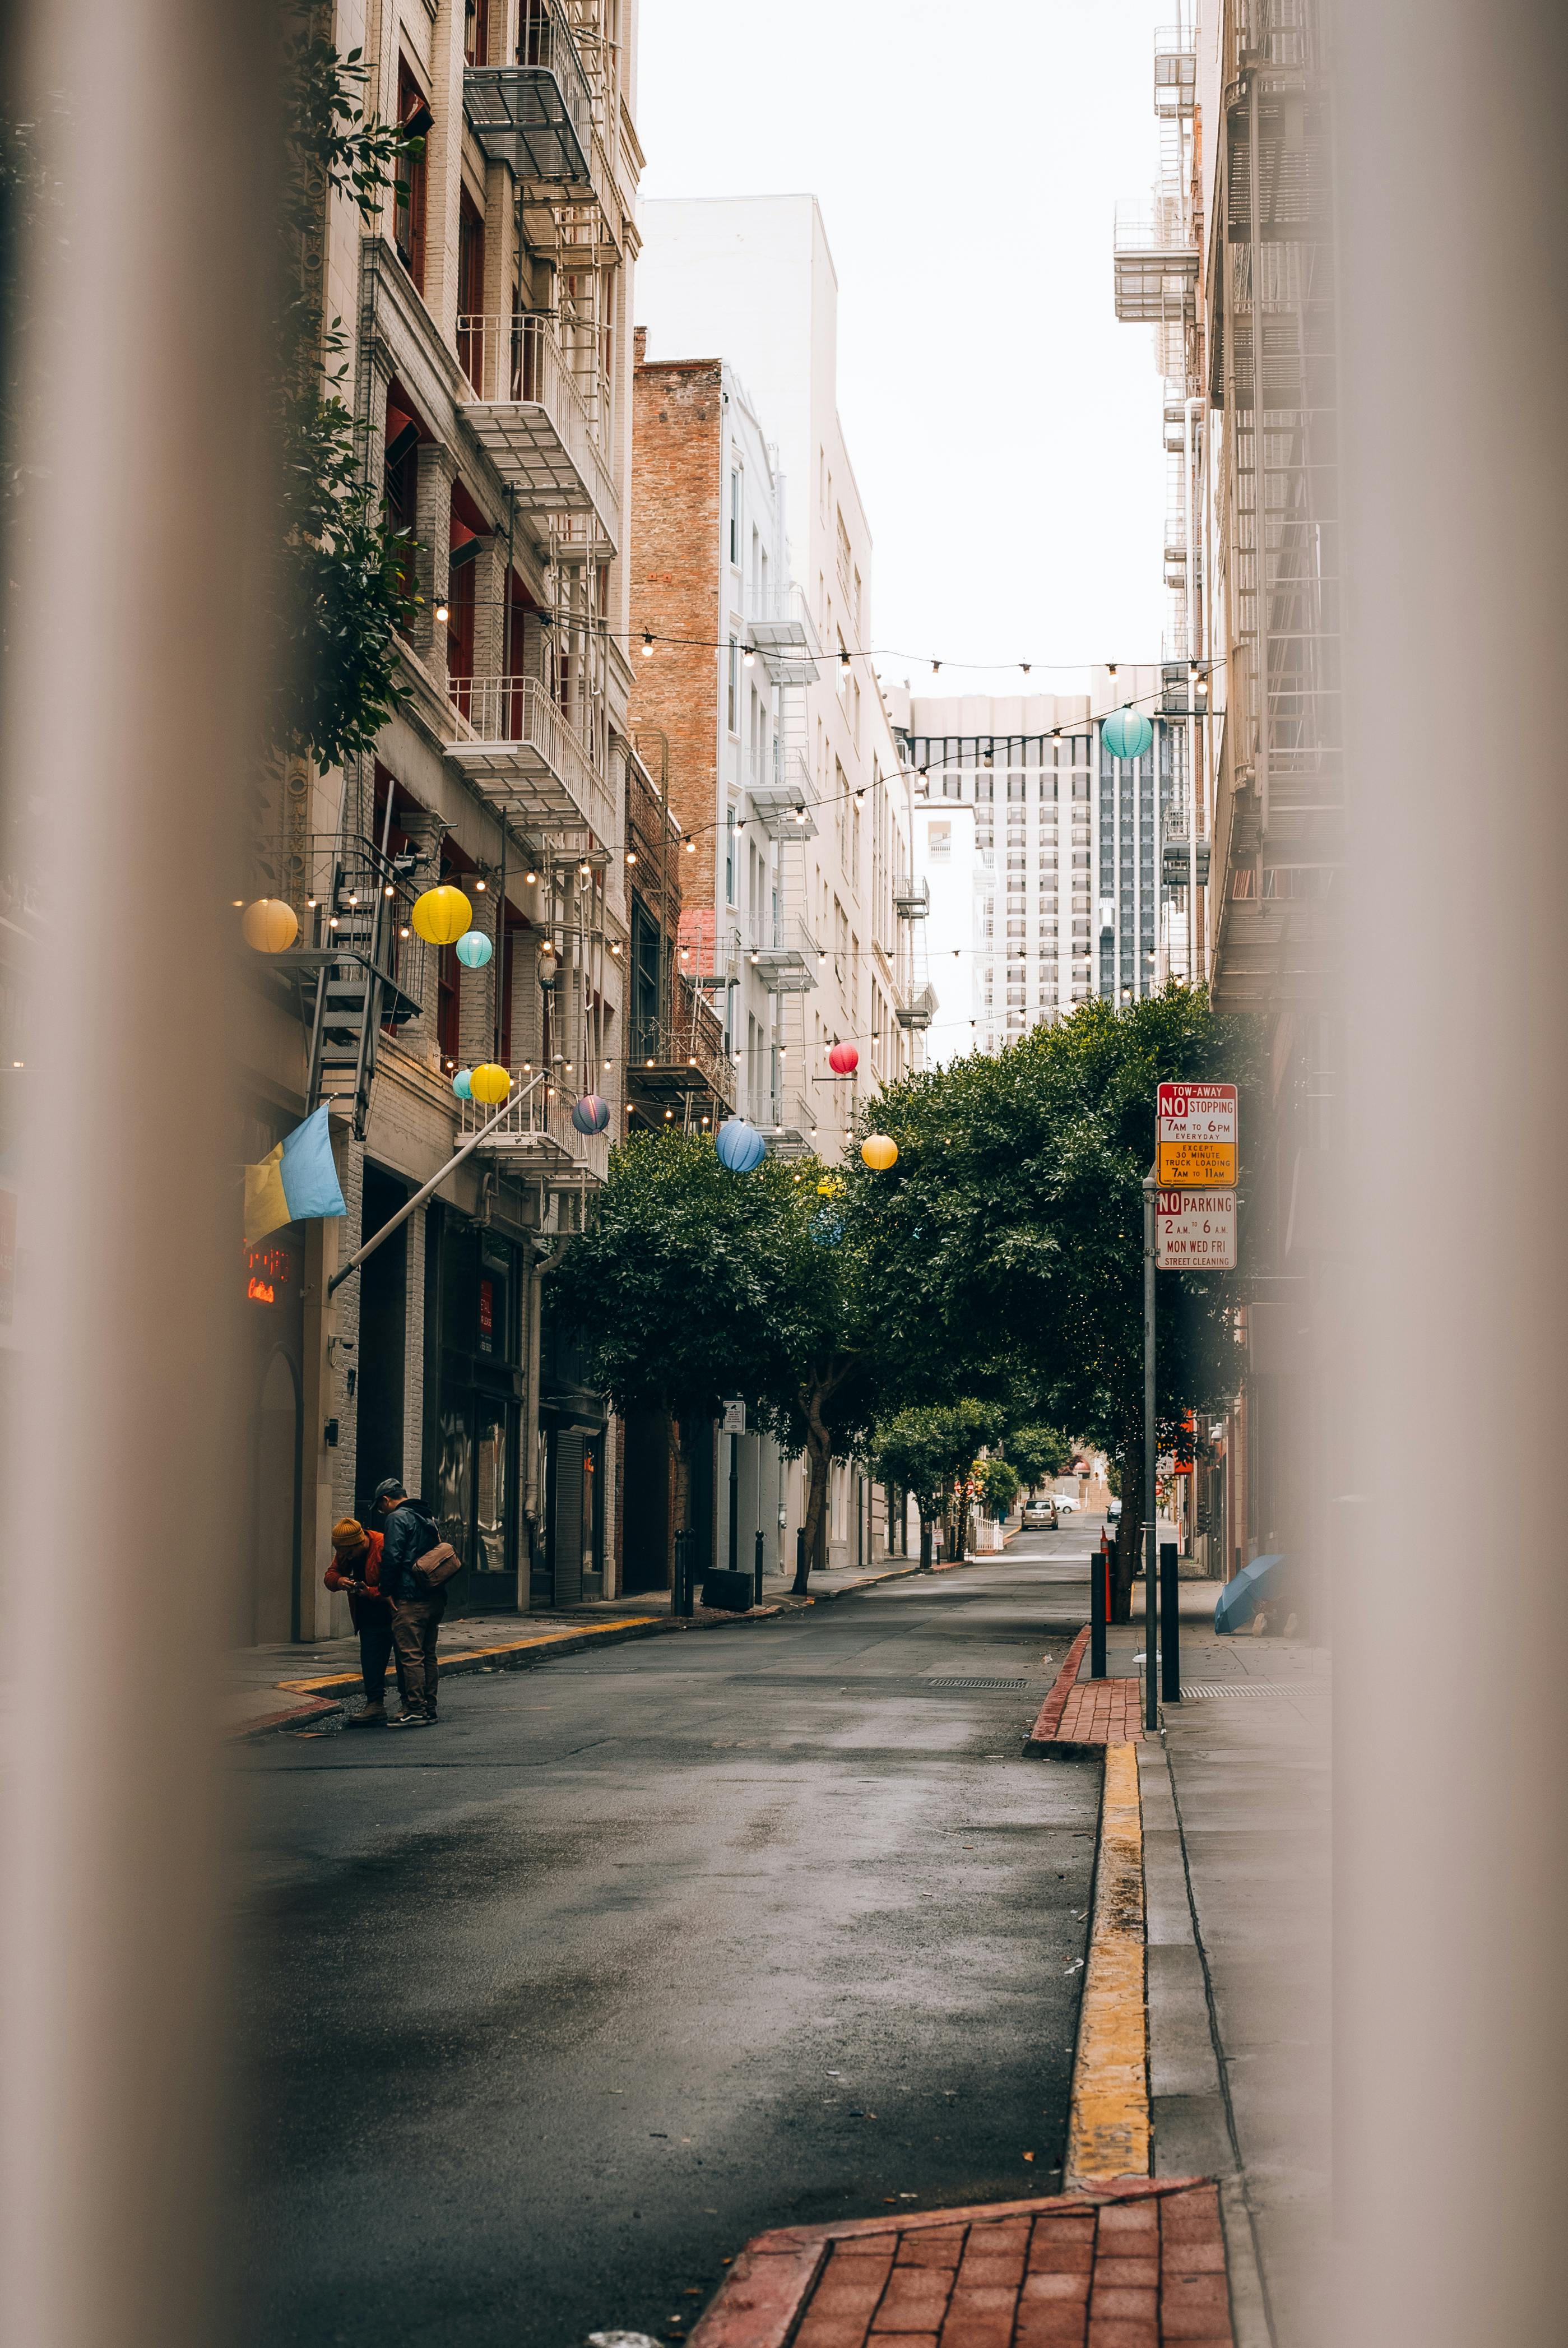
x: 1005, y: 431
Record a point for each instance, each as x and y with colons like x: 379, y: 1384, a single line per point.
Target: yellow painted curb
x: 469, y: 1655
x: 1108, y: 2124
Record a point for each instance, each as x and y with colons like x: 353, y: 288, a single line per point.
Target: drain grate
x: 988, y: 1683
x: 1253, y: 1687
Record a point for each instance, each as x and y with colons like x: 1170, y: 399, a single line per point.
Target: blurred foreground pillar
x: 129, y: 698
x: 1451, y: 1612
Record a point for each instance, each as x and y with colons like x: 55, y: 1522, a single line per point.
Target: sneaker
x: 370, y: 1716
x: 411, y: 1720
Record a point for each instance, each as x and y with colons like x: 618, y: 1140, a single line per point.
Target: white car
x: 1065, y: 1505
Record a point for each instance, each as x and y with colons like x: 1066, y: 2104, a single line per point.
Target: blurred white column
x: 129, y: 715
x: 1452, y: 1621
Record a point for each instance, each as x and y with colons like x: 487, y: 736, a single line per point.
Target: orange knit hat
x: 349, y: 1534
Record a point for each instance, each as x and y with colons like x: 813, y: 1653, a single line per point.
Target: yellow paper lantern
x: 489, y: 1083
x: 269, y: 925
x: 441, y: 916
x: 879, y: 1151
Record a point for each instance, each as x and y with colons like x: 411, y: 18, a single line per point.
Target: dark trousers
x: 374, y: 1654
x: 416, y: 1626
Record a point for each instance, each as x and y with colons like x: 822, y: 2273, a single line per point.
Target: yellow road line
x: 468, y: 1655
x: 1107, y: 2125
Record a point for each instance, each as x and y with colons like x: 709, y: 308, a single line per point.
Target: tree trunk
x: 1129, y: 1530
x: 819, y: 1461
x: 679, y: 1488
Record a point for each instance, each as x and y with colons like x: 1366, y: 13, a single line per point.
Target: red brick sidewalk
x: 1081, y: 1713
x: 1141, y: 2264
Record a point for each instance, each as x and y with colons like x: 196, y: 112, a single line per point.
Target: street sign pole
x: 1150, y: 1506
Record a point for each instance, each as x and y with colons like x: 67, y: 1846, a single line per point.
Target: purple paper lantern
x: 591, y: 1115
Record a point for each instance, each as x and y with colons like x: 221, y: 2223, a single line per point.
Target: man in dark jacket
x: 408, y: 1535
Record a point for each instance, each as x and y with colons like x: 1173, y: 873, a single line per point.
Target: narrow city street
x: 546, y: 2010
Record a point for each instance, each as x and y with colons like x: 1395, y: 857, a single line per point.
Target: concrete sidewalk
x: 277, y: 1687
x: 1234, y: 1798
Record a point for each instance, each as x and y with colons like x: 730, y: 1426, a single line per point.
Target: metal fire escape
x: 1279, y: 825
x: 1159, y: 282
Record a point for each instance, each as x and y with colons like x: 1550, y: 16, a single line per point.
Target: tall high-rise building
x: 1049, y: 860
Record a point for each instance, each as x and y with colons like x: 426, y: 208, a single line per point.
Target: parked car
x: 1112, y: 1516
x: 1041, y: 1512
x: 1066, y: 1505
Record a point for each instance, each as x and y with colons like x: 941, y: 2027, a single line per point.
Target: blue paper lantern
x: 1127, y: 732
x: 591, y: 1115
x: 461, y: 1085
x: 473, y: 950
x: 741, y: 1146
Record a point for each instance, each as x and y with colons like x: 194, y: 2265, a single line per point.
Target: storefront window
x: 490, y: 1464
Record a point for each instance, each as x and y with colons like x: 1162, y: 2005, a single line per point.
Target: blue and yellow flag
x: 296, y: 1179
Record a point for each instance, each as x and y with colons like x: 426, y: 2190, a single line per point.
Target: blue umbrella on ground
x: 1240, y: 1599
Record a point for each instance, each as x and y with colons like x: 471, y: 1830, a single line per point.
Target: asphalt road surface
x: 545, y: 2011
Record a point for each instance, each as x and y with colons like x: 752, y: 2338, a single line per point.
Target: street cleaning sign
x: 1194, y: 1231
x: 1196, y: 1138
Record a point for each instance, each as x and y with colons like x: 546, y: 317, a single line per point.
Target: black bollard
x: 757, y: 1568
x: 1099, y: 1571
x: 680, y: 1596
x: 1170, y: 1624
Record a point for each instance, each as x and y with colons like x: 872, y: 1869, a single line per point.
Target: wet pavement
x: 546, y: 2010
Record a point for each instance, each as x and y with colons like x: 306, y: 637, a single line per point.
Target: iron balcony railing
x: 784, y: 953
x: 519, y: 752
x: 780, y: 626
x: 538, y: 114
x: 542, y: 422
x: 538, y: 1125
x: 780, y: 788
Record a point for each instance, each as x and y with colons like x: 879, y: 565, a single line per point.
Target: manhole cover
x: 1251, y: 1687
x: 990, y: 1683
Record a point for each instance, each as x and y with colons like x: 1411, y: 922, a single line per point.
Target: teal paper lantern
x: 461, y: 1085
x: 473, y: 950
x: 1126, y: 734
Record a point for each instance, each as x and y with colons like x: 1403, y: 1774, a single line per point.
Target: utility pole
x: 1150, y: 1505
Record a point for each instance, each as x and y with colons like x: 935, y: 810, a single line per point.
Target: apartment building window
x: 400, y: 480
x: 730, y: 844
x: 734, y: 685
x: 535, y: 46
x: 477, y: 32
x: 735, y: 517
x: 470, y: 291
x: 409, y: 180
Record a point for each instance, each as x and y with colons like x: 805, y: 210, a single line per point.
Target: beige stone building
x: 488, y: 322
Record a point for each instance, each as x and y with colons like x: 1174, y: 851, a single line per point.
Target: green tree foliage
x: 929, y: 1449
x: 339, y: 591
x: 692, y: 1283
x: 999, y: 1484
x: 1039, y: 1453
x: 1005, y: 1247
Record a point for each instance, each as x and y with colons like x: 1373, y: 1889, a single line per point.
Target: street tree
x: 692, y: 1283
x: 1039, y: 1453
x: 339, y: 589
x: 928, y: 1449
x: 1007, y: 1240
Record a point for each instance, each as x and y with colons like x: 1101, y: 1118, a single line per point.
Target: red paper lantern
x: 844, y: 1059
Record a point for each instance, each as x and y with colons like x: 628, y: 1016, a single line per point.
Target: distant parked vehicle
x: 1066, y: 1505
x: 1112, y: 1516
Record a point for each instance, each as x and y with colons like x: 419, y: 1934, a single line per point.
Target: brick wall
x: 676, y: 452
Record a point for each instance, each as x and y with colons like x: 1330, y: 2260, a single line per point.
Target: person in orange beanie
x: 355, y: 1569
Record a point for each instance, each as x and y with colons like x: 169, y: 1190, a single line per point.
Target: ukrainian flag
x: 296, y: 1179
